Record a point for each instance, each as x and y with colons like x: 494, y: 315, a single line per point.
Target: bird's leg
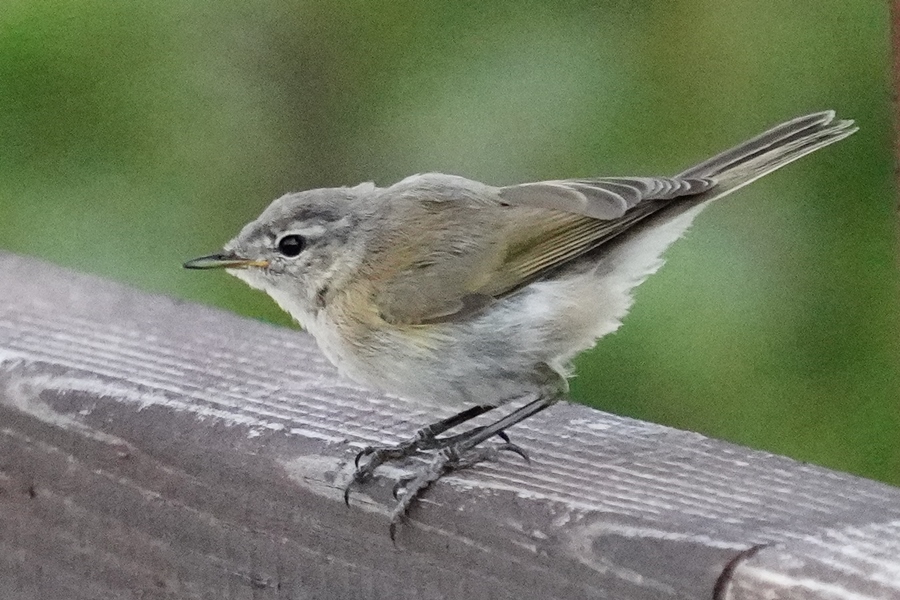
x: 464, y: 453
x: 424, y: 439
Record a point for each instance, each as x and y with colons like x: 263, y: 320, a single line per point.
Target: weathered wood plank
x: 155, y: 449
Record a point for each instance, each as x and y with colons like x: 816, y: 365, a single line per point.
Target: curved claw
x: 392, y: 529
x: 347, y: 494
x: 510, y: 447
x: 364, y: 452
x: 502, y: 435
x: 401, y: 484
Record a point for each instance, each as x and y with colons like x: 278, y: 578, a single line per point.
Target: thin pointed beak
x: 224, y: 261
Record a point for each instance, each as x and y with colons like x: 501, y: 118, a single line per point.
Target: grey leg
x: 463, y: 453
x: 424, y: 439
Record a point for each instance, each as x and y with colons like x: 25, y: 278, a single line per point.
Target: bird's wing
x: 520, y: 233
x: 606, y: 198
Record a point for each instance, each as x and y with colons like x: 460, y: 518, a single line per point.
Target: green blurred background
x: 136, y: 135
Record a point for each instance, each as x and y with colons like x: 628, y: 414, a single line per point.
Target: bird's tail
x: 636, y: 253
x: 747, y: 162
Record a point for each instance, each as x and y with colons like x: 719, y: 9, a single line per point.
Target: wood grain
x: 151, y: 448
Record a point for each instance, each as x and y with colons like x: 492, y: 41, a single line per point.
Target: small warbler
x: 462, y: 294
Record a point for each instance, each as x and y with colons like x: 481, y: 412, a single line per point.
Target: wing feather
x: 542, y: 226
x: 463, y: 244
x: 602, y: 198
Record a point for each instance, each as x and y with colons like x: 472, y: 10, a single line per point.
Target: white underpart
x: 567, y: 316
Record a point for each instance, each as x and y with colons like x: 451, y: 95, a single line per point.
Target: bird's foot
x: 378, y: 455
x: 423, y: 440
x: 450, y: 458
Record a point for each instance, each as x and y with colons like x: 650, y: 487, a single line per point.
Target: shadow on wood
x: 155, y: 449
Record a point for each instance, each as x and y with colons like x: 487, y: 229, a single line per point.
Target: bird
x: 455, y: 293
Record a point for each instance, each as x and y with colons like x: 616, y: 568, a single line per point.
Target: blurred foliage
x: 136, y: 135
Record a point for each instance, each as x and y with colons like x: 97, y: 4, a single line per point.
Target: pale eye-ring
x: 291, y: 245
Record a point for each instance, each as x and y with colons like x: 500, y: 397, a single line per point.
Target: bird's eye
x: 290, y: 245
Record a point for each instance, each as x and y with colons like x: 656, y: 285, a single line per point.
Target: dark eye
x: 290, y: 245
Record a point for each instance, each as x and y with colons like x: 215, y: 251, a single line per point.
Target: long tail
x: 636, y: 252
x: 747, y: 162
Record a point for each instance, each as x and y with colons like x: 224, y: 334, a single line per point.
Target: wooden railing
x: 151, y: 448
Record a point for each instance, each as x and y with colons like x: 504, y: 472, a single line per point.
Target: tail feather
x: 625, y: 260
x: 769, y: 151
